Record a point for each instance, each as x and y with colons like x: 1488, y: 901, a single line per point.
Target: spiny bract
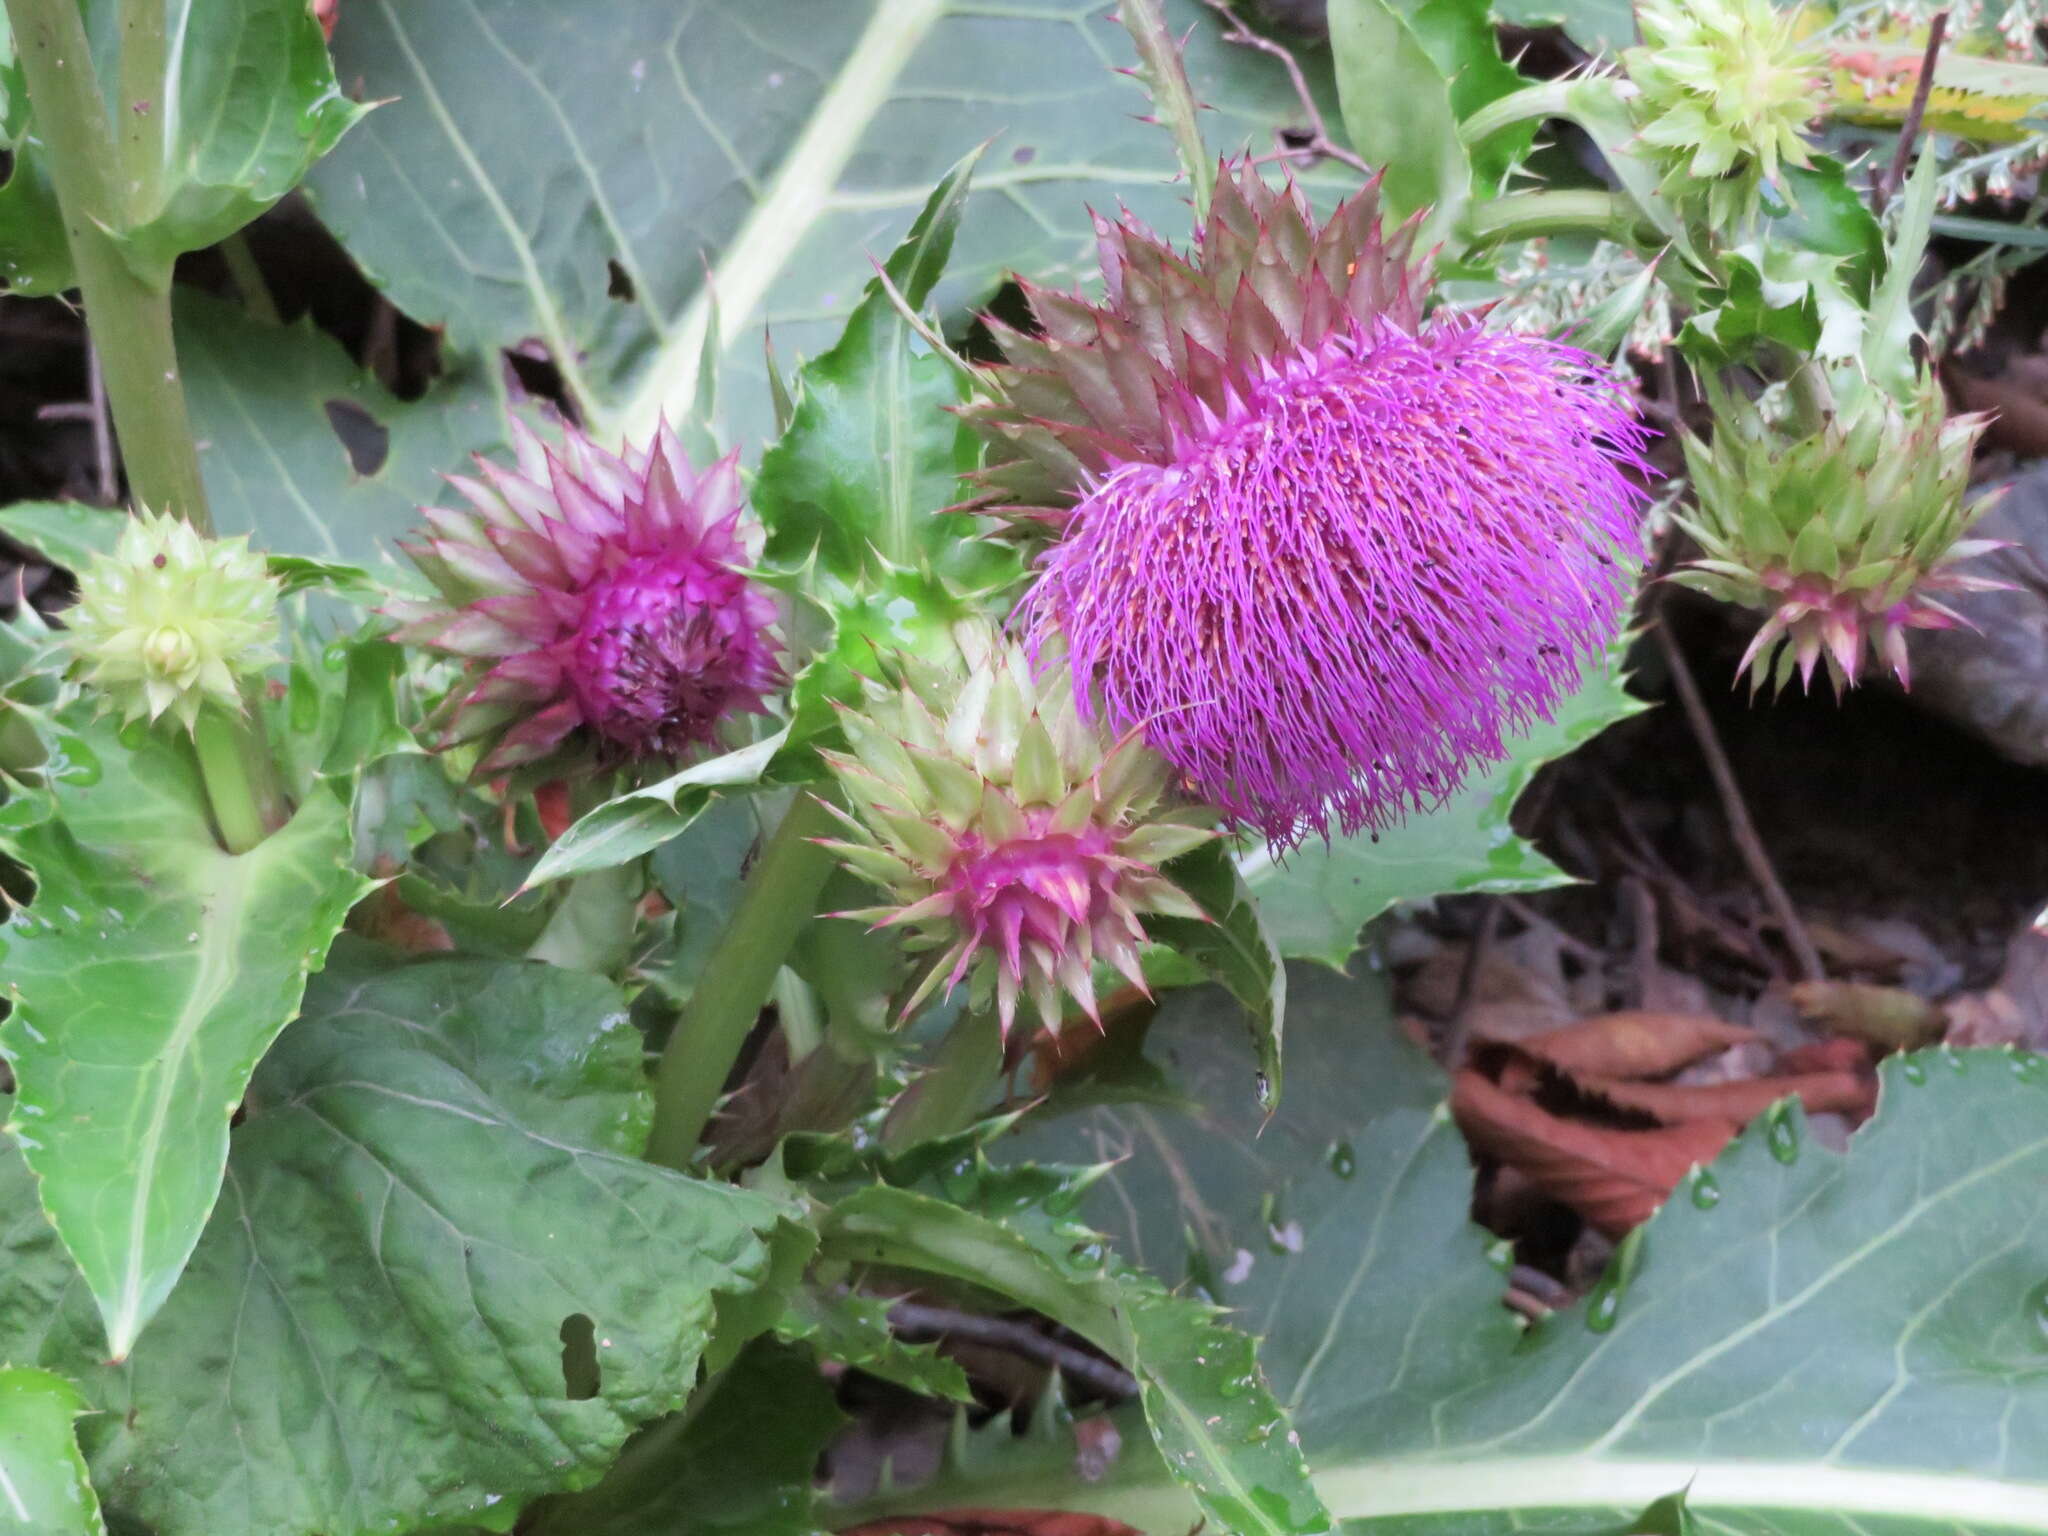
x: 171, y: 620
x: 1727, y: 90
x: 1010, y: 836
x: 1842, y: 534
x: 1327, y: 555
x: 599, y: 602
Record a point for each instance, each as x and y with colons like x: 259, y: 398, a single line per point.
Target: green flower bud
x: 1841, y: 532
x: 171, y: 620
x: 1727, y: 90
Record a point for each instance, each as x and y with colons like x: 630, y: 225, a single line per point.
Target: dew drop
x: 2037, y: 1307
x: 335, y: 656
x: 1706, y: 1190
x: 1781, y: 1135
x: 2029, y: 1067
x: 1343, y: 1161
x: 1262, y: 1090
x: 1603, y: 1307
x: 1913, y: 1070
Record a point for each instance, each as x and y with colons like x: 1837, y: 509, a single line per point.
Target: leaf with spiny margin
x: 1212, y: 1417
x: 440, y: 1165
x: 147, y: 977
x: 1806, y: 1341
x: 66, y: 533
x: 873, y: 450
x: 1316, y: 899
x: 43, y: 1487
x: 1234, y: 948
x: 641, y: 820
x: 269, y: 404
x: 243, y: 100
x: 795, y: 138
x: 854, y: 1330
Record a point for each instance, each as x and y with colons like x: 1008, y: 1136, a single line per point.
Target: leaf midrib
x: 212, y: 980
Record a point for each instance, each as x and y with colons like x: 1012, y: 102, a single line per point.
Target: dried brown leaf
x: 1634, y: 1044
x: 1843, y: 1093
x: 1613, y: 1178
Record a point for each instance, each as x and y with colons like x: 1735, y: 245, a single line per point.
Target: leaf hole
x: 620, y: 286
x: 536, y: 376
x: 581, y: 1377
x: 366, y: 440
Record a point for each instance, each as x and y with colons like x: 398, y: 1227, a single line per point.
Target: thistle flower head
x: 171, y: 620
x: 1727, y: 91
x: 598, y: 602
x: 1325, y: 554
x: 1843, y: 535
x: 1015, y: 843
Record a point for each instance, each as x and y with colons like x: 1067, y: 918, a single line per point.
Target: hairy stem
x: 1160, y: 67
x: 131, y: 316
x: 777, y: 900
x: 139, y: 111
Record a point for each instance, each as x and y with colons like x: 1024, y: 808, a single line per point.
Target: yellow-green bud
x: 171, y: 620
x: 1727, y: 89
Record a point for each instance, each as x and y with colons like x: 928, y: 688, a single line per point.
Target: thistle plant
x: 171, y: 621
x: 1726, y: 91
x: 599, y: 604
x: 1018, y: 845
x: 1842, y: 530
x: 1327, y: 554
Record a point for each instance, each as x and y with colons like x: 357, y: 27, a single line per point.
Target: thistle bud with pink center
x: 1328, y: 555
x: 1017, y: 844
x: 600, y: 603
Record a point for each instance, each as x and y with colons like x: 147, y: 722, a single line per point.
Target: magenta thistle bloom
x: 1327, y: 555
x: 599, y: 602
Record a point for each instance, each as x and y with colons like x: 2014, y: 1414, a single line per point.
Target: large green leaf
x: 215, y: 118
x: 593, y: 172
x: 1813, y: 1342
x: 269, y: 404
x: 1317, y: 898
x: 1211, y: 1415
x: 148, y: 975
x: 43, y: 1487
x: 438, y: 1190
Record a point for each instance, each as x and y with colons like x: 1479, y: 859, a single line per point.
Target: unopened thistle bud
x: 1727, y: 90
x: 1842, y: 533
x: 172, y: 620
x: 1017, y: 844
x: 1327, y: 554
x: 599, y: 602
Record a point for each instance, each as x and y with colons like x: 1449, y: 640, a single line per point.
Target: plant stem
x: 145, y: 49
x: 1525, y: 215
x: 777, y: 900
x: 248, y: 278
x: 1546, y: 98
x: 947, y: 1098
x: 237, y: 809
x: 1165, y: 76
x: 131, y: 316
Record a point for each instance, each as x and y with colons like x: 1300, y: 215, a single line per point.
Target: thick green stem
x: 130, y: 317
x: 953, y: 1090
x: 1526, y: 215
x: 777, y: 900
x: 1173, y: 99
x: 1533, y: 103
x: 237, y: 807
x: 140, y: 111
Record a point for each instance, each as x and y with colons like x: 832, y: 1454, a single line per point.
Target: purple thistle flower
x: 599, y: 603
x: 1326, y: 555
